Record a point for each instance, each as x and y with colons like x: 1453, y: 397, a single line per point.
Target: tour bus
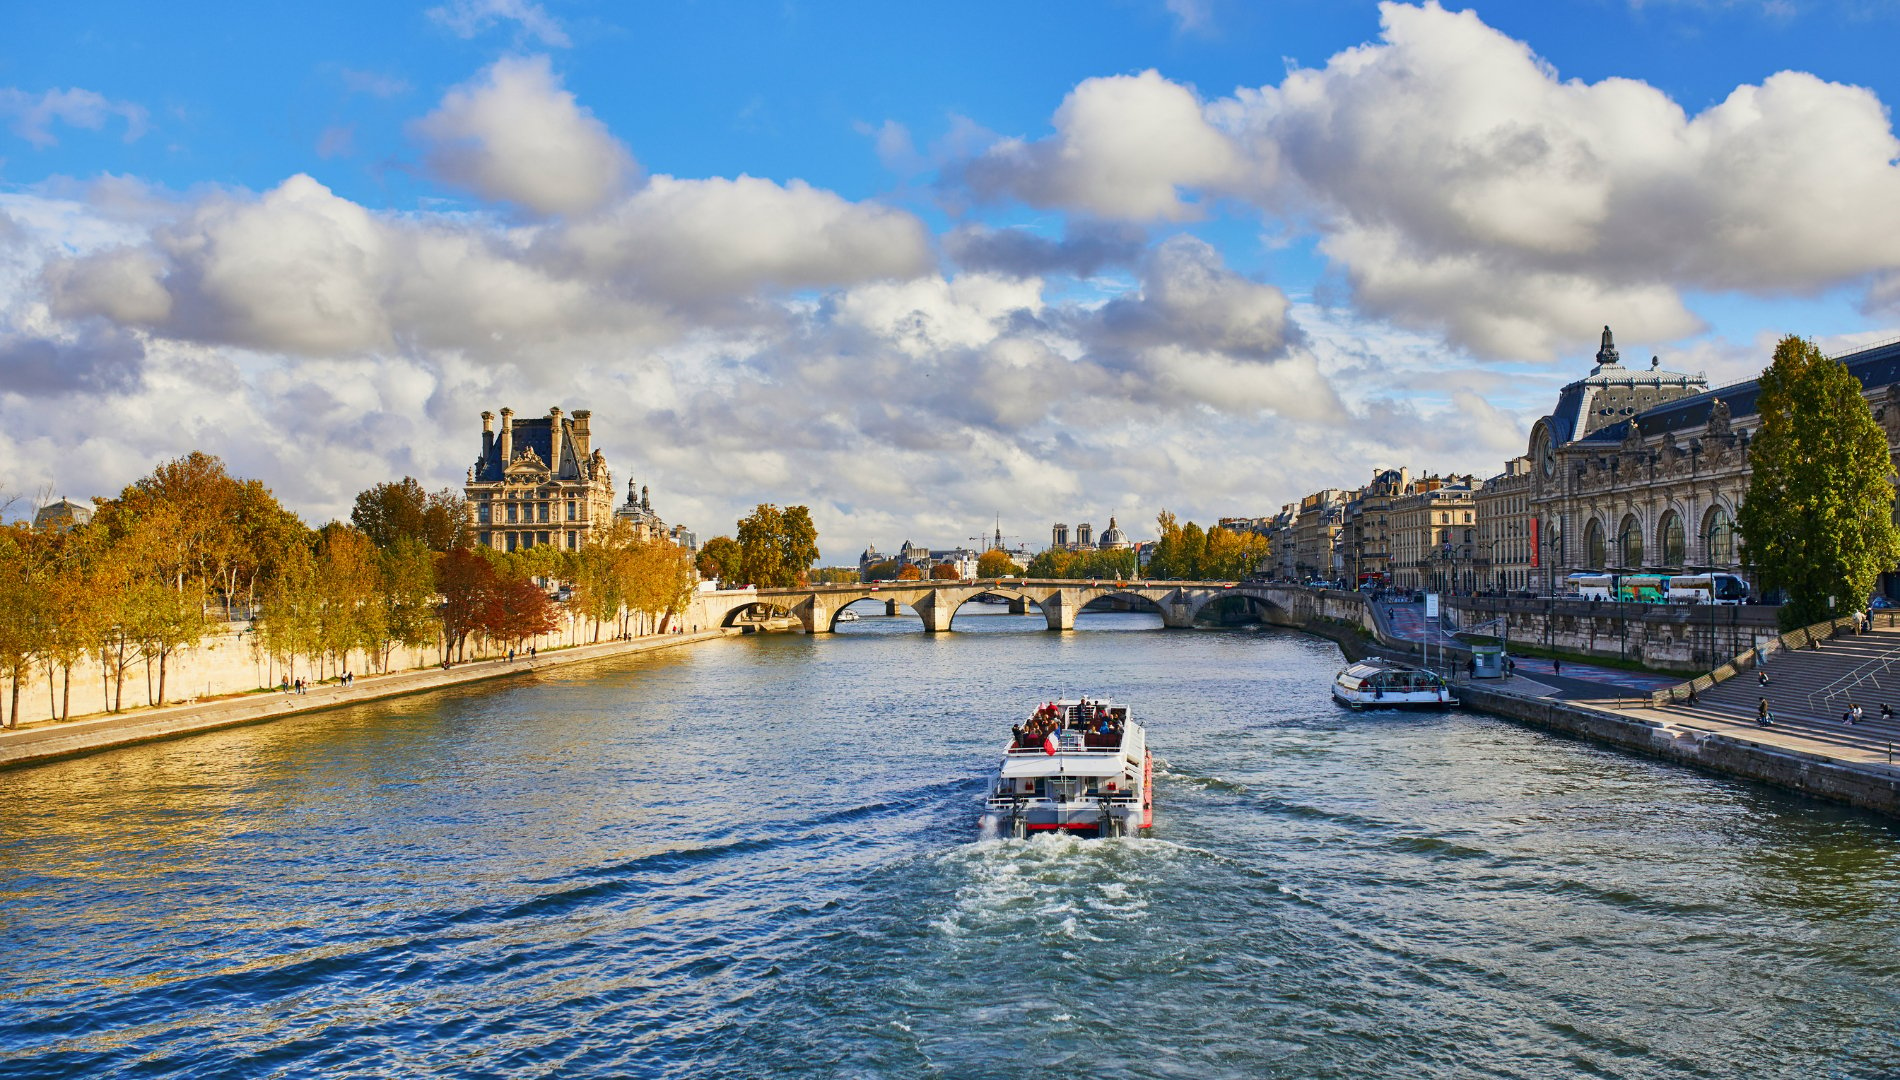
x: 1642, y: 588
x: 1707, y: 589
x: 1593, y: 586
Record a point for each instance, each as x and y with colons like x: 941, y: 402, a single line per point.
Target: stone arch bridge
x: 816, y: 607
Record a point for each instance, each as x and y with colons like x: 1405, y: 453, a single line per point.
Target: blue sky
x: 272, y: 232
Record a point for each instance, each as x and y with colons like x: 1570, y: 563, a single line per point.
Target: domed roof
x: 1112, y: 536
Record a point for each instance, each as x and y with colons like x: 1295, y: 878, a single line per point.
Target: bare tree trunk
x: 163, y: 656
x: 66, y: 692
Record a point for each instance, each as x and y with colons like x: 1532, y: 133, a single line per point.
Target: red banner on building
x: 1534, y: 544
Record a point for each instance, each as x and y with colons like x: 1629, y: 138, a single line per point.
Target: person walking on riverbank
x: 1762, y: 715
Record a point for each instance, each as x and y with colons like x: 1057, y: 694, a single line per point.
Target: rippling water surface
x: 758, y: 857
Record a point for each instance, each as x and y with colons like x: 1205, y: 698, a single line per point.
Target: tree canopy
x: 392, y: 512
x: 776, y: 546
x: 1818, y: 520
x: 995, y: 563
x: 1187, y: 553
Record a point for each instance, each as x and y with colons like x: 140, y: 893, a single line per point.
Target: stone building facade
x: 1434, y: 534
x: 538, y: 482
x: 1660, y: 489
x: 1505, y: 558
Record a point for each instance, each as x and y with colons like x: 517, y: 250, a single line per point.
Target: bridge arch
x: 903, y: 603
x: 1015, y: 596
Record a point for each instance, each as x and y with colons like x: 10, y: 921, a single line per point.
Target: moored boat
x: 1080, y: 767
x: 1377, y: 683
x: 847, y: 615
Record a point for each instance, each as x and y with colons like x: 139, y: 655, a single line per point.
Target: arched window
x: 1719, y: 534
x: 1593, y: 545
x: 1674, y: 553
x: 1630, y: 539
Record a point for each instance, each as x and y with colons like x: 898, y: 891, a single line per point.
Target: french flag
x: 1049, y: 743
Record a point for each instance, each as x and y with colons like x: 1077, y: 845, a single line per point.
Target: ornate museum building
x: 539, y: 481
x: 1645, y: 468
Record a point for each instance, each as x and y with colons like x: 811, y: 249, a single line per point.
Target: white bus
x: 1593, y: 586
x: 1707, y: 589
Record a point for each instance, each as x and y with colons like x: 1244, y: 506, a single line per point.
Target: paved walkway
x: 51, y: 739
x: 1575, y: 681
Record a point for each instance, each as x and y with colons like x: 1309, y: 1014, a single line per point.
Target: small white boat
x: 847, y: 615
x: 1376, y: 683
x: 1080, y: 767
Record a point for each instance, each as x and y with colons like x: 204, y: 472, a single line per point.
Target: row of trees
x: 190, y: 545
x: 1189, y: 553
x: 774, y: 550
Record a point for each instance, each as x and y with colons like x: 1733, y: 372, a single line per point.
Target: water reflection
x: 758, y: 857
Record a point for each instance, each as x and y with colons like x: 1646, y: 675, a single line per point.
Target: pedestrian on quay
x: 1886, y: 711
x: 1761, y: 714
x: 1761, y: 676
x: 1854, y: 711
x: 1556, y: 666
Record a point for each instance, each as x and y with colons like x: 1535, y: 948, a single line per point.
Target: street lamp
x: 1719, y: 531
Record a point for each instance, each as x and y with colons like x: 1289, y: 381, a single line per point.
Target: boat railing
x: 1066, y: 749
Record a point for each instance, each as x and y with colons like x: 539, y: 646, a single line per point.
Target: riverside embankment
x: 1851, y: 766
x: 49, y: 740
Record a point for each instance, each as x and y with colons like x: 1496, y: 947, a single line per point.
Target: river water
x: 758, y: 857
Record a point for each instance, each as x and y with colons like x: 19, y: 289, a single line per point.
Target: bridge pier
x: 1177, y: 615
x: 936, y: 610
x: 814, y: 615
x: 1018, y: 606
x: 1059, y: 610
x: 890, y: 608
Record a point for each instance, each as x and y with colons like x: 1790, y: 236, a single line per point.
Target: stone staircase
x: 1807, y: 692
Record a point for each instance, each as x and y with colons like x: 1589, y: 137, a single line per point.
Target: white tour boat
x: 1080, y: 767
x: 1375, y: 683
x: 847, y: 615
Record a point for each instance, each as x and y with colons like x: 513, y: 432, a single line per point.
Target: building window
x: 481, y: 513
x: 1593, y: 554
x: 1720, y: 535
x: 542, y: 515
x: 1630, y: 537
x: 1674, y: 552
x: 511, y: 515
x: 573, y: 540
x: 511, y: 541
x: 570, y: 509
x: 488, y: 539
x: 544, y: 538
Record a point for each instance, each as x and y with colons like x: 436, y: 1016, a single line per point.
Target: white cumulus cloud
x: 513, y: 134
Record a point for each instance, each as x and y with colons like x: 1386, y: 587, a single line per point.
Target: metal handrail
x: 1865, y: 673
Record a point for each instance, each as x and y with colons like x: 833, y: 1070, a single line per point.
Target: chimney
x: 488, y: 436
x: 554, y: 441
x: 583, y: 445
x: 507, y: 437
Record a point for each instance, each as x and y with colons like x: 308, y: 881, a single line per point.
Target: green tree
x: 776, y: 546
x: 995, y: 563
x: 408, y: 582
x: 1818, y: 520
x: 391, y: 512
x: 881, y: 571
x: 721, y: 559
x: 24, y: 557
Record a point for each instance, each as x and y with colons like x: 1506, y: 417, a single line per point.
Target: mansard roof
x: 1874, y: 367
x: 536, y: 434
x: 1612, y: 392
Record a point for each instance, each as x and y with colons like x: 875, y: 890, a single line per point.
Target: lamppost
x: 1719, y: 532
x: 1553, y: 550
x: 1622, y: 615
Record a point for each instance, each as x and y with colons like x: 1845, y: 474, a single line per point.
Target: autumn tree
x: 909, y: 572
x: 392, y: 512
x: 25, y: 559
x: 1818, y: 520
x: 466, y: 581
x: 995, y: 563
x: 945, y: 572
x: 776, y: 546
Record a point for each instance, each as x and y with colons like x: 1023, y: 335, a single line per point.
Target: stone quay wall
x: 230, y: 660
x: 1670, y: 637
x: 46, y: 742
x: 1867, y: 787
